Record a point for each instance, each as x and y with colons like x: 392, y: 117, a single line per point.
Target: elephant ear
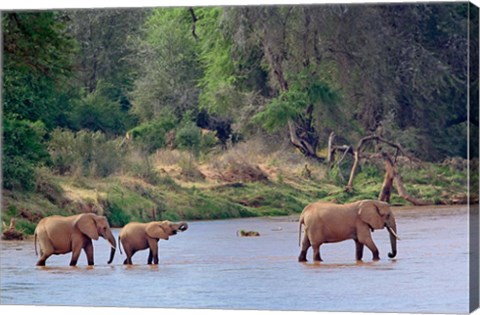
x: 370, y: 214
x: 87, y: 225
x: 156, y: 230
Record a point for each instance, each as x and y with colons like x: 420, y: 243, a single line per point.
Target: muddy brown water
x: 209, y: 266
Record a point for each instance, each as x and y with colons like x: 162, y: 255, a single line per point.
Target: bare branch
x: 194, y: 20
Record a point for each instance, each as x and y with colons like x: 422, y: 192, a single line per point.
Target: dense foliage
x: 93, y: 80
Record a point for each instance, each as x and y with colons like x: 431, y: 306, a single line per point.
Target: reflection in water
x: 210, y: 267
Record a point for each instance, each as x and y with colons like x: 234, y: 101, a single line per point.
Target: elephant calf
x: 330, y: 223
x: 139, y: 236
x: 61, y: 235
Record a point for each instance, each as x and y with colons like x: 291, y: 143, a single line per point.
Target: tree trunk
x: 301, y: 131
x: 386, y: 190
x: 331, y: 149
x: 393, y: 178
x: 356, y: 159
x: 307, y: 146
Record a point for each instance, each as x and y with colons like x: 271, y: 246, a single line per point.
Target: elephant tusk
x: 393, y: 232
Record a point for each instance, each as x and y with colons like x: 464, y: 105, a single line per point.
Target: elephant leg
x: 75, y: 254
x: 316, y: 252
x: 89, y: 252
x: 305, y: 246
x: 359, y: 250
x: 43, y: 259
x: 129, y: 253
x: 365, y: 237
x: 153, y: 245
x: 44, y: 254
x: 371, y: 245
x: 150, y: 257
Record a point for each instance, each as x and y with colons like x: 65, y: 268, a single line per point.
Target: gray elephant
x: 329, y: 223
x: 139, y: 236
x: 61, y: 235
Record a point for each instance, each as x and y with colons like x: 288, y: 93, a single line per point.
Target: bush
x: 85, y: 153
x: 190, y: 170
x: 151, y: 136
x: 116, y: 215
x: 63, y: 152
x: 23, y: 150
x: 96, y: 112
x: 189, y: 138
x: 208, y: 141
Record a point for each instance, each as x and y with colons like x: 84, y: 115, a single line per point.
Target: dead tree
x: 357, y: 154
x: 390, y: 173
x: 392, y: 178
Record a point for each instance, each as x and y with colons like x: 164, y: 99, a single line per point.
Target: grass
x: 166, y: 194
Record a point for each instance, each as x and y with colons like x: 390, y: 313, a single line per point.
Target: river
x: 209, y: 266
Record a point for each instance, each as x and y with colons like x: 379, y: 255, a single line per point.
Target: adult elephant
x: 61, y: 235
x: 139, y: 236
x: 329, y: 223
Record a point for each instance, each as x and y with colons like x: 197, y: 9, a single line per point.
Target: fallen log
x: 10, y: 233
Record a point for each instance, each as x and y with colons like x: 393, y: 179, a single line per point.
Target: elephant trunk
x: 182, y: 226
x: 109, y: 237
x: 392, y: 230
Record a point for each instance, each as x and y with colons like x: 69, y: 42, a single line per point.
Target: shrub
x: 116, y: 215
x: 190, y: 170
x: 25, y: 226
x: 96, y: 112
x: 23, y: 150
x: 62, y: 150
x: 86, y: 153
x: 189, y: 138
x: 208, y: 141
x: 151, y: 136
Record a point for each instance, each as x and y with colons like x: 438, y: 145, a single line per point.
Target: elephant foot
x: 376, y: 258
x: 317, y: 257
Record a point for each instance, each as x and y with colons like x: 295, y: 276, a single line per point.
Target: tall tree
x: 106, y: 50
x: 169, y: 65
x: 36, y: 64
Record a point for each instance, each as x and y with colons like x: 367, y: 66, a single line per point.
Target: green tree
x: 169, y: 66
x: 97, y: 112
x: 36, y: 64
x: 106, y: 50
x: 23, y: 149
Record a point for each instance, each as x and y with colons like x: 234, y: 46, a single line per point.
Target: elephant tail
x: 35, y: 242
x: 300, y: 222
x: 119, y: 245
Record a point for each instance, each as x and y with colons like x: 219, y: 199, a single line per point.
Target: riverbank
x: 231, y: 186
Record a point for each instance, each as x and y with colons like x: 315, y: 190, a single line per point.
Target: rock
x: 244, y: 233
